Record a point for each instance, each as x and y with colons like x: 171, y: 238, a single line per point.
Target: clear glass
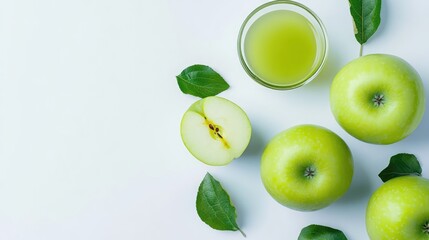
x: 319, y: 33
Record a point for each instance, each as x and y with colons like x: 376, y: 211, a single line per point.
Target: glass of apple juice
x: 282, y: 44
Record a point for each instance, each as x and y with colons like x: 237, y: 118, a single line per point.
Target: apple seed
x: 378, y: 100
x: 215, y: 132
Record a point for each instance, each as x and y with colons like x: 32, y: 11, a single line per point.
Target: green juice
x: 281, y: 48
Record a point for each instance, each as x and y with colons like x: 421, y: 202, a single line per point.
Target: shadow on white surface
x: 331, y: 67
x: 242, y: 178
x: 384, y: 24
x: 421, y: 133
x: 256, y: 145
x: 361, y: 186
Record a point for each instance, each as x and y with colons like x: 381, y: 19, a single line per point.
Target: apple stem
x: 426, y: 228
x: 361, y: 50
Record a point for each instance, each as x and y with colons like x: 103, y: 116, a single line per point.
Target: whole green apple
x: 215, y: 130
x: 378, y: 98
x: 399, y: 210
x: 306, y: 167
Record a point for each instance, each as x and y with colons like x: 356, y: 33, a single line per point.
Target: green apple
x: 378, y: 98
x: 399, y: 210
x: 306, y: 167
x: 215, y: 130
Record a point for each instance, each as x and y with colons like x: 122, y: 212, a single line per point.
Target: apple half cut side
x: 215, y: 130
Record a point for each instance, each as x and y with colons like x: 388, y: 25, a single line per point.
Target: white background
x: 90, y: 110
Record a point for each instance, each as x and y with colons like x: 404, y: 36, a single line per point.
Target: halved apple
x: 215, y: 130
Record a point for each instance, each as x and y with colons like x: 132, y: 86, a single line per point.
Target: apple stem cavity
x: 378, y: 100
x: 426, y: 228
x: 310, y: 172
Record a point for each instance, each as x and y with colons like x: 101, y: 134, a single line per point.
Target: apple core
x: 216, y: 133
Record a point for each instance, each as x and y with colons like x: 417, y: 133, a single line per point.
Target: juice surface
x: 280, y: 48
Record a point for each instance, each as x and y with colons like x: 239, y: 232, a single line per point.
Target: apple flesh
x: 306, y: 167
x: 378, y: 98
x: 399, y: 210
x: 215, y: 130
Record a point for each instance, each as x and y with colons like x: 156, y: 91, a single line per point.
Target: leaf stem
x: 361, y: 50
x: 242, y: 233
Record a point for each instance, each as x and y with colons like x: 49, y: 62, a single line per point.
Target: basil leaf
x: 402, y: 164
x: 318, y: 232
x: 201, y: 81
x: 215, y: 207
x: 366, y: 18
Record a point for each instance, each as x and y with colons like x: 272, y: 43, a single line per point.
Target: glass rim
x: 314, y: 71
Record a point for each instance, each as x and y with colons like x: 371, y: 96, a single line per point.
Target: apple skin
x: 399, y: 209
x: 288, y: 156
x: 355, y: 109
x: 215, y: 130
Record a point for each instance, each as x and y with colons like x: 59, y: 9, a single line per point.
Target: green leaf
x: 366, y: 18
x: 215, y: 207
x: 402, y: 164
x: 201, y: 81
x: 317, y: 232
